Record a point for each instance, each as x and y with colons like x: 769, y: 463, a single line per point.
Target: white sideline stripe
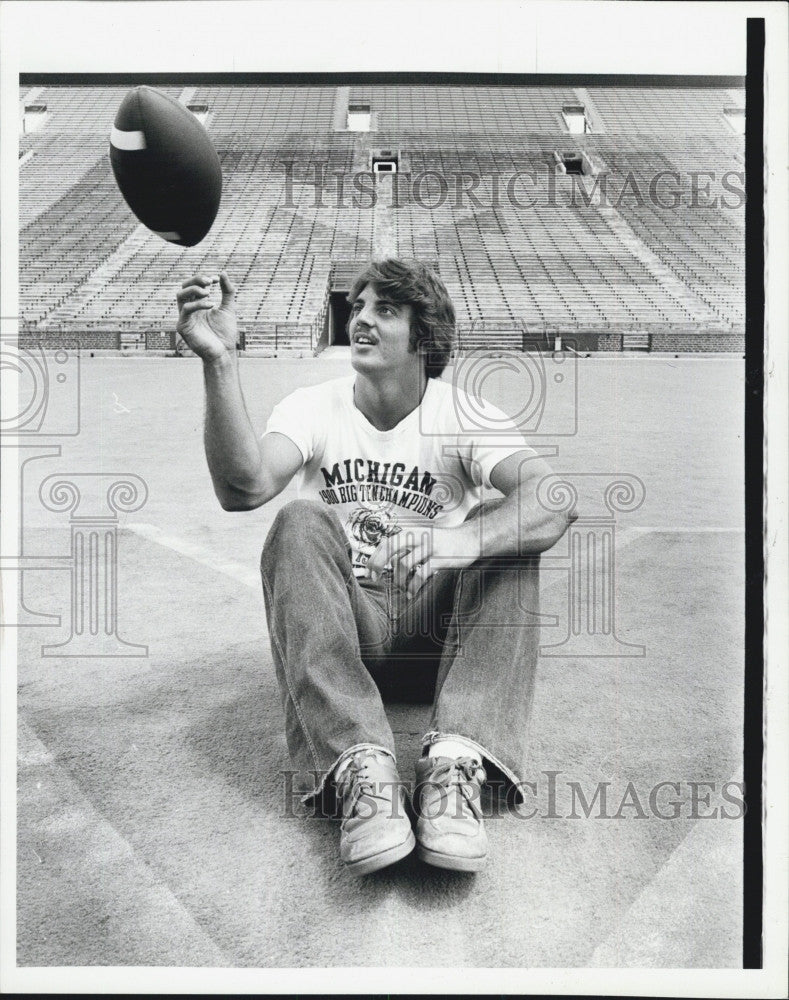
x: 690, y: 531
x: 118, y: 859
x: 646, y: 934
x: 127, y: 140
x: 626, y: 535
x: 240, y: 572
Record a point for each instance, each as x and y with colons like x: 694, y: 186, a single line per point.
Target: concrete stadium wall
x: 96, y: 340
x: 593, y: 342
x: 699, y: 342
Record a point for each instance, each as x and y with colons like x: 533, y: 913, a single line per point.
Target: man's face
x: 379, y: 332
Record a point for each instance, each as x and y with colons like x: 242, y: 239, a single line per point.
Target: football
x: 165, y: 166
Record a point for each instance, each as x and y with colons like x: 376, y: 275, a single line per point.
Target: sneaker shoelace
x: 354, y: 782
x: 463, y: 773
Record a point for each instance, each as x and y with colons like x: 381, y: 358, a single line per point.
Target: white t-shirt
x: 428, y: 469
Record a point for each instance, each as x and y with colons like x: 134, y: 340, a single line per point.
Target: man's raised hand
x: 211, y: 331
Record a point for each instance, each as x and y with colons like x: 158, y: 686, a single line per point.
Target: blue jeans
x: 340, y: 644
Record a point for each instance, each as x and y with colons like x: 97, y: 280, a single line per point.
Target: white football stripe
x: 127, y: 140
x: 168, y: 236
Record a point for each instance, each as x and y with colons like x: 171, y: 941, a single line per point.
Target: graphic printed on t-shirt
x: 382, y: 491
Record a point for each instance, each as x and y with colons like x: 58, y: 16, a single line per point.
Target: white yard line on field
x: 241, y: 572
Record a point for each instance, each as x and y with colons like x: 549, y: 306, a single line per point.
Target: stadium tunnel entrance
x: 339, y: 313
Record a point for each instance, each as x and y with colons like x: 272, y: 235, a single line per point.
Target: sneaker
x: 375, y: 830
x: 449, y: 828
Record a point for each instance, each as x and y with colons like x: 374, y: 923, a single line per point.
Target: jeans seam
x: 454, y: 621
x: 286, y: 674
x: 435, y: 734
x: 383, y: 613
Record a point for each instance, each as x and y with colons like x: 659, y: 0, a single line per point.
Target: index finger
x: 200, y: 279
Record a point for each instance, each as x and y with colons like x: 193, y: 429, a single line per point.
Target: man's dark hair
x: 409, y: 282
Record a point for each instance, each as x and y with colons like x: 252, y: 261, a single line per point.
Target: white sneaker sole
x: 388, y: 857
x: 453, y: 862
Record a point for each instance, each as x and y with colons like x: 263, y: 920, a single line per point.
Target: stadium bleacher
x: 523, y: 247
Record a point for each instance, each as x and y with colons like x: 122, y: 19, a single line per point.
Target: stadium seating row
x: 649, y: 110
x: 500, y: 111
x: 284, y: 109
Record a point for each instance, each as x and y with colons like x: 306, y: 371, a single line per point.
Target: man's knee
x: 300, y: 512
x: 298, y: 523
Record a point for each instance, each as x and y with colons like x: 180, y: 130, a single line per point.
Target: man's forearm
x: 231, y: 446
x: 515, y: 526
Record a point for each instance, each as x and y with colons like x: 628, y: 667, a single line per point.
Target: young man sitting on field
x: 388, y: 562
